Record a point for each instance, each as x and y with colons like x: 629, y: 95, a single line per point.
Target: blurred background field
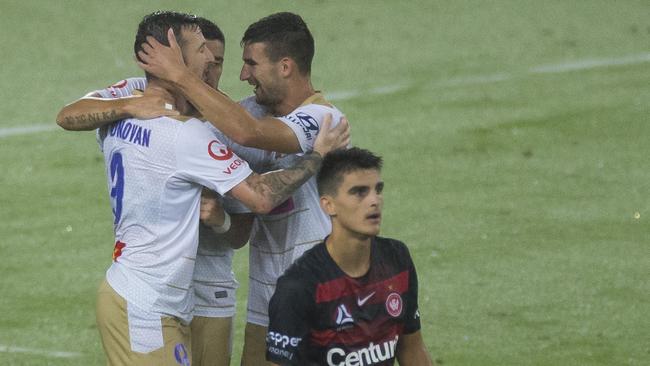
x: 516, y: 165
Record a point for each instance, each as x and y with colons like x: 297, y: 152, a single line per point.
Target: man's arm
x: 411, y: 351
x: 214, y: 216
x: 92, y: 111
x: 262, y: 193
x: 225, y: 114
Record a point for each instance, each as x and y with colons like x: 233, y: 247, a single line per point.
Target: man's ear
x: 328, y: 206
x: 287, y: 67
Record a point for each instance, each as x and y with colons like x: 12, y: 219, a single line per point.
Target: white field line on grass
x: 585, y: 64
x: 40, y: 352
x: 12, y: 131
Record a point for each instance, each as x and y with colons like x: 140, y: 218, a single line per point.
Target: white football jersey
x: 213, y: 281
x: 280, y: 237
x: 155, y: 171
x: 124, y: 88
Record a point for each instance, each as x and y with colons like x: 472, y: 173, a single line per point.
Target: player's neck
x: 297, y: 92
x: 350, y: 251
x: 173, y: 97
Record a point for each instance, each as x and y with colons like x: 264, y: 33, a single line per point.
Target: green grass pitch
x: 515, y: 137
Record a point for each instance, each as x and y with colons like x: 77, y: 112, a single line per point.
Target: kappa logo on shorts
x: 182, y: 357
x: 218, y: 151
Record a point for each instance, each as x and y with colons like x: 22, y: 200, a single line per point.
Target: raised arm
x: 93, y: 111
x: 225, y: 114
x: 412, y: 352
x: 262, y: 193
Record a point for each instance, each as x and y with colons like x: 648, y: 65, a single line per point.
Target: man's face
x: 215, y: 67
x: 196, y: 54
x: 263, y: 74
x: 358, y: 202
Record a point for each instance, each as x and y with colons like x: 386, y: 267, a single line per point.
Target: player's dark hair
x: 210, y: 30
x: 340, y: 162
x: 158, y: 23
x: 285, y: 35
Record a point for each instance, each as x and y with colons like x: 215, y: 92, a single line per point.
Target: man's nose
x: 244, y: 74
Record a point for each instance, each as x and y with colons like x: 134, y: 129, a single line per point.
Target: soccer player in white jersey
x: 277, y: 55
x: 213, y: 281
x: 156, y: 169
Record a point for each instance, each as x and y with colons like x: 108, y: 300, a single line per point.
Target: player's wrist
x: 318, y: 153
x: 224, y: 227
x: 183, y: 77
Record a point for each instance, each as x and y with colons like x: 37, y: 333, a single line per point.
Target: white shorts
x: 261, y: 282
x: 213, y: 280
x: 215, y: 299
x: 259, y: 296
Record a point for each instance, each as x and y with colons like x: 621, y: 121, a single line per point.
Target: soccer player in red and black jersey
x: 352, y: 299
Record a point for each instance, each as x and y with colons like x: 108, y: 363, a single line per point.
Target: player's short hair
x: 158, y: 23
x: 285, y: 35
x: 210, y: 30
x: 340, y: 162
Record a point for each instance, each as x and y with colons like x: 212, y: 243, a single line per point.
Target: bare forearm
x: 275, y: 187
x: 411, y: 351
x: 90, y: 113
x: 226, y: 115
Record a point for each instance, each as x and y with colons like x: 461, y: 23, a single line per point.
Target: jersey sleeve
x: 123, y: 88
x: 203, y: 159
x: 412, y: 320
x: 306, y: 121
x: 288, y: 322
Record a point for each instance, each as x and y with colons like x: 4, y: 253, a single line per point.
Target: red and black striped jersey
x: 321, y: 316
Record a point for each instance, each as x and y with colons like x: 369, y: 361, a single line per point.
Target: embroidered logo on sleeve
x: 218, y: 151
x: 118, y: 85
x: 308, y: 124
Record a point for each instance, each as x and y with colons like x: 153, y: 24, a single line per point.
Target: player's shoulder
x: 135, y: 82
x: 317, y: 111
x: 255, y: 109
x: 309, y: 267
x: 192, y: 127
x: 393, y: 248
x: 124, y: 87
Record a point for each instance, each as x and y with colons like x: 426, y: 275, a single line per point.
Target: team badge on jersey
x: 394, y: 304
x: 219, y: 151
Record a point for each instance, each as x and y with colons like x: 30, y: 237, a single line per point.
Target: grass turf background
x: 517, y: 191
